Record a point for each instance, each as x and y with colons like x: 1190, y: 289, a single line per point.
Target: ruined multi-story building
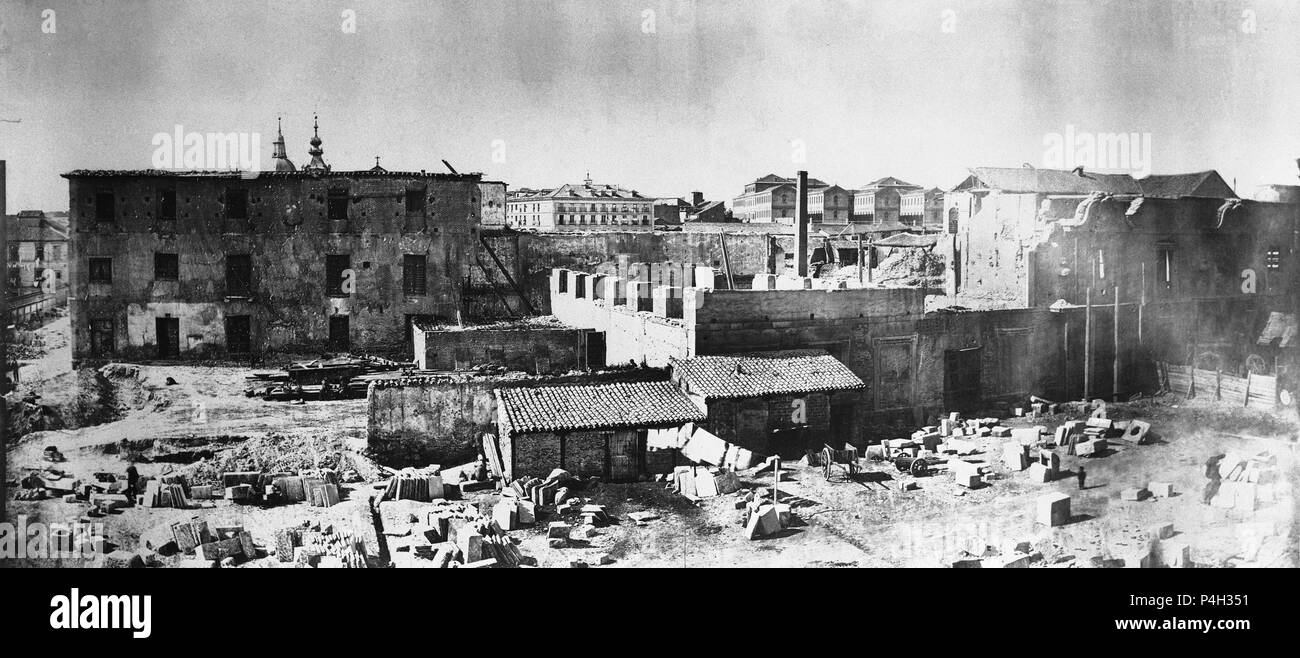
x: 201, y: 264
x: 1192, y: 272
x: 37, y: 252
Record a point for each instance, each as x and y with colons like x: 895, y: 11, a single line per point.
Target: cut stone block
x: 1134, y: 493
x: 1039, y: 473
x: 527, y: 511
x: 1176, y: 555
x: 1161, y: 489
x: 506, y: 515
x: 1053, y: 509
x: 557, y: 530
x: 1016, y: 561
x: 1137, y: 431
x: 1138, y: 559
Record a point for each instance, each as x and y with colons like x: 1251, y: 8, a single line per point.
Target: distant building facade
x: 37, y: 245
x: 830, y: 205
x: 922, y: 209
x: 770, y: 199
x: 579, y: 207
x: 880, y: 201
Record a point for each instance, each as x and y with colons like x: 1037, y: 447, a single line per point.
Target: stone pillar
x: 615, y: 291
x: 559, y: 281
x: 668, y: 302
x: 704, y: 277
x: 638, y: 296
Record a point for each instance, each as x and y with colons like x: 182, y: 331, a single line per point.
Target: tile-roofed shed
x: 721, y: 377
x: 597, y: 407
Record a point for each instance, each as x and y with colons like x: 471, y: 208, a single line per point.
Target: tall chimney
x: 801, y: 226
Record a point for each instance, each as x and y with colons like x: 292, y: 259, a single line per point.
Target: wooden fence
x: 1256, y: 391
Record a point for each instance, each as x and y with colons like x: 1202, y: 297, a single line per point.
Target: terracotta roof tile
x: 605, y: 406
x: 752, y: 376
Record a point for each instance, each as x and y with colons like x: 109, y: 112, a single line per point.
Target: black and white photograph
x: 889, y: 287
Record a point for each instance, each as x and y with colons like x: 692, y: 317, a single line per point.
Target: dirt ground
x: 869, y: 521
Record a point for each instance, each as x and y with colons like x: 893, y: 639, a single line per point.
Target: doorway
x: 961, y: 379
x: 168, y: 331
x: 340, y: 338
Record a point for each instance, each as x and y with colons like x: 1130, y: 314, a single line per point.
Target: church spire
x: 317, y: 163
x: 282, y: 162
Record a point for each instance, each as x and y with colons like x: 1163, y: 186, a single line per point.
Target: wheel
x: 919, y: 468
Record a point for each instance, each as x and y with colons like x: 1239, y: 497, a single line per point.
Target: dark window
x: 338, y: 204
x: 236, y: 203
x: 166, y: 204
x: 104, y: 207
x: 339, y: 338
x: 335, y: 264
x: 101, y: 337
x: 166, y: 267
x: 101, y: 270
x: 239, y: 275
x: 238, y: 334
x: 415, y: 201
x: 13, y: 252
x: 1272, y: 259
x: 40, y: 251
x: 414, y: 277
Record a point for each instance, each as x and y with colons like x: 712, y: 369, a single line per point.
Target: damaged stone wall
x: 536, y: 350
x: 287, y: 235
x: 530, y: 257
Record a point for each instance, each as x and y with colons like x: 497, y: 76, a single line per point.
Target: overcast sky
x: 662, y: 96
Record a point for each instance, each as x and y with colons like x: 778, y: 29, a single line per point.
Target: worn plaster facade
x: 202, y: 264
